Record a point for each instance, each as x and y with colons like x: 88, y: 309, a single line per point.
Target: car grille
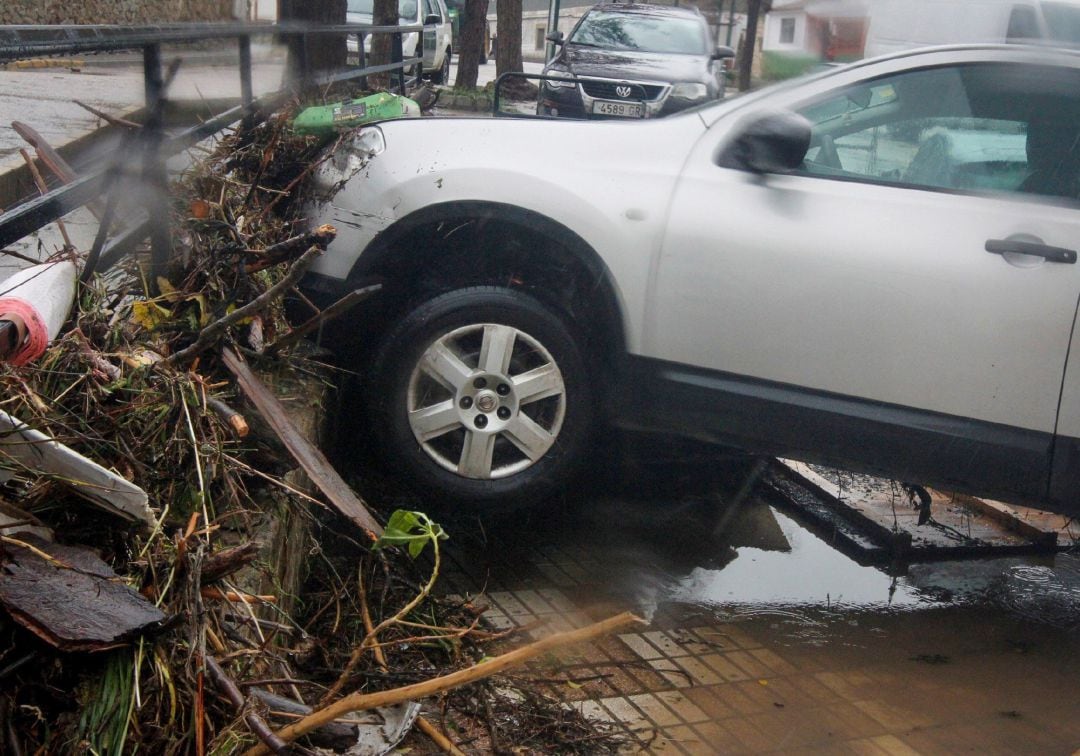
x: 606, y: 90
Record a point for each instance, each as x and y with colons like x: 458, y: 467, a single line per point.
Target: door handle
x: 1036, y: 249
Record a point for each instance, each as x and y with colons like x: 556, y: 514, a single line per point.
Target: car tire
x: 443, y: 74
x: 480, y: 397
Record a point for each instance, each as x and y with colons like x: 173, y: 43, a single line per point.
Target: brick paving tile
x: 665, y: 643
x: 701, y: 674
x: 749, y: 664
x: 762, y: 696
x: 706, y: 700
x: 726, y: 667
x: 689, y: 741
x: 848, y: 723
x: 893, y: 746
x: 892, y: 717
x: 505, y: 600
x: 622, y: 681
x: 794, y: 728
x: 813, y: 688
x: 773, y: 661
x: 685, y: 709
x: 594, y: 711
x: 649, y: 678
x: 556, y: 599
x: 617, y: 649
x: 738, y: 637
x: 671, y: 672
x: 866, y: 747
x: 655, y: 710
x: 534, y: 602
x: 622, y: 710
x: 640, y: 646
x: 750, y: 736
x: 556, y: 576
x: 718, y: 738
x: 847, y: 685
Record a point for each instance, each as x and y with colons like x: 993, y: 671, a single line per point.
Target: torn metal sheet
x: 69, y: 597
x: 362, y: 733
x: 23, y: 448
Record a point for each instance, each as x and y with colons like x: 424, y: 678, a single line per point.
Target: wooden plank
x: 69, y: 597
x: 314, y: 462
x: 1004, y: 515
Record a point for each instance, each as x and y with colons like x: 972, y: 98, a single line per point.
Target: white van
x: 904, y: 24
x: 437, y: 42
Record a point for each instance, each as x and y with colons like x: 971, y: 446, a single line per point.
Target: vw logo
x: 623, y: 91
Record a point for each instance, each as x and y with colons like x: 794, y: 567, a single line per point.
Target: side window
x: 1023, y: 25
x: 966, y: 128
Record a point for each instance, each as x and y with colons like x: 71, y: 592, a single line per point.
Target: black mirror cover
x: 556, y: 37
x: 722, y: 52
x: 775, y: 142
x: 434, y: 18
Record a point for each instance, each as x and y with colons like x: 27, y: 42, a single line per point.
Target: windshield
x: 407, y: 9
x: 643, y: 33
x: 1062, y: 22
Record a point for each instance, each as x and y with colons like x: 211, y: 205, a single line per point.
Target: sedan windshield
x: 642, y: 33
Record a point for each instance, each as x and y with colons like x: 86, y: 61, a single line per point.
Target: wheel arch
x: 436, y: 247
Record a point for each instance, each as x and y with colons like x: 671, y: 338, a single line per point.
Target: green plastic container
x: 327, y: 120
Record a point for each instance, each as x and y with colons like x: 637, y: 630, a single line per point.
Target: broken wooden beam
x: 313, y: 461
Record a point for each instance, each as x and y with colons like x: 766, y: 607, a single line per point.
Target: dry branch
x: 257, y: 724
x: 209, y: 335
x: 364, y: 701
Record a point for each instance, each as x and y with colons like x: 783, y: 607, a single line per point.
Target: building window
x: 541, y: 32
x: 787, y: 31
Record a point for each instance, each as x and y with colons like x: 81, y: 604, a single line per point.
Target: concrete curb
x: 73, y: 63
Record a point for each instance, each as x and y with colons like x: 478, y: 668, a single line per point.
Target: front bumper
x: 576, y: 102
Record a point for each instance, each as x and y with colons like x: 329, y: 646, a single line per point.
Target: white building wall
x: 773, y: 26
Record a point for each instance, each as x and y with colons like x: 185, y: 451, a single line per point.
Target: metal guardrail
x: 151, y: 142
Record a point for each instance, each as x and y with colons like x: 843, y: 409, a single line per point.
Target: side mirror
x: 557, y: 37
x: 775, y: 142
x: 434, y: 18
x: 722, y: 53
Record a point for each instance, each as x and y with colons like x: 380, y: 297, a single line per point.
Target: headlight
x: 369, y: 141
x: 555, y: 84
x: 690, y: 91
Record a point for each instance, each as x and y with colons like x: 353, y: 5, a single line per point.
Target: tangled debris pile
x: 228, y: 607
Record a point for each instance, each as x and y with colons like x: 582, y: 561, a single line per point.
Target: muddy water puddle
x: 764, y: 637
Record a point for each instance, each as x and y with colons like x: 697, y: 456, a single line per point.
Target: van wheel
x: 443, y: 74
x: 481, y: 398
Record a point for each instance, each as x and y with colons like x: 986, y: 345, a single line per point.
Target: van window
x: 1022, y: 24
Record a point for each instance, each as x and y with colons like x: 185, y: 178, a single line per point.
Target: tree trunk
x: 383, y: 13
x: 508, y: 31
x: 323, y: 52
x: 754, y: 8
x: 471, y: 46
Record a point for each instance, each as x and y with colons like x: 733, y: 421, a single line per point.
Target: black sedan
x: 633, y: 61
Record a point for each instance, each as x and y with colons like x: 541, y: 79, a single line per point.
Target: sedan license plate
x: 619, y: 109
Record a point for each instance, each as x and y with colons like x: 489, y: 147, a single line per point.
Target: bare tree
x: 471, y: 46
x: 324, y: 52
x: 508, y: 32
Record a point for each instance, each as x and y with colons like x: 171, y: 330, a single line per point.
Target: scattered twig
x: 257, y: 724
x: 494, y: 666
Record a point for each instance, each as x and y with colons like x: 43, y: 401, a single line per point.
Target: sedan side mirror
x: 557, y: 37
x: 434, y: 18
x: 775, y: 142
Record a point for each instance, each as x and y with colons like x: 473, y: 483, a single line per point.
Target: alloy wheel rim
x: 486, y: 401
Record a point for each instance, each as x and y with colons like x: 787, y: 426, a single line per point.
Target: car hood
x: 621, y: 64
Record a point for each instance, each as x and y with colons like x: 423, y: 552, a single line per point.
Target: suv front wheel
x: 442, y: 75
x: 481, y: 397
